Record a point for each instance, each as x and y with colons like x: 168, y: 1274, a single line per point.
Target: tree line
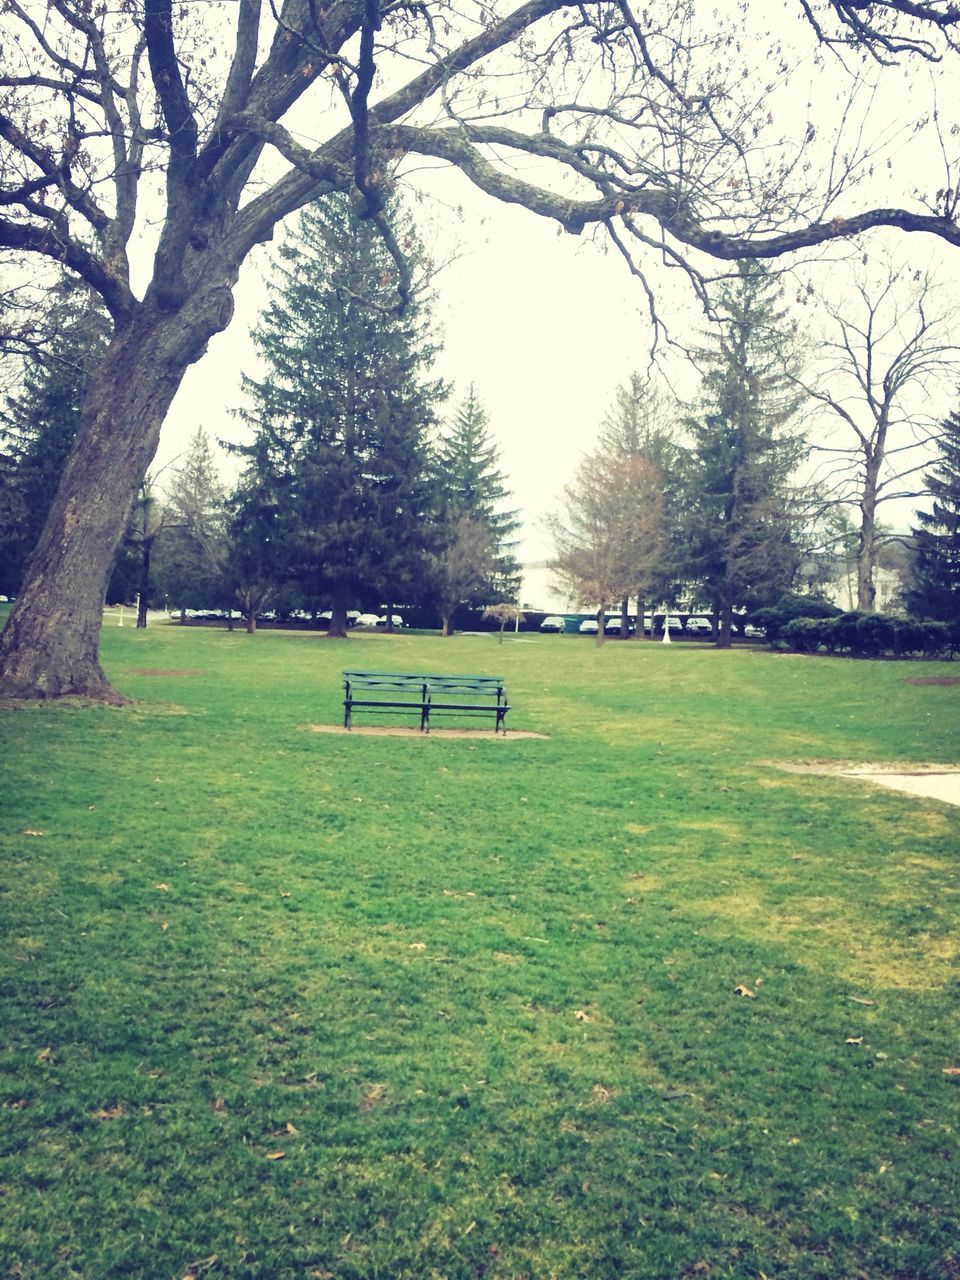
x: 352, y: 491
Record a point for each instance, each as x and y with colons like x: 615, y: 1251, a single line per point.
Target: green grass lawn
x: 284, y: 1004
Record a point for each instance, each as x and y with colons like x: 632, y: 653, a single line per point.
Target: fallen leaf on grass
x: 34, y: 833
x: 283, y: 894
x: 854, y: 1040
x: 276, y: 1155
x: 859, y: 1000
x: 164, y: 887
x: 581, y: 1015
x: 372, y: 1095
x: 291, y: 1128
x: 218, y: 1106
x: 418, y: 946
x: 196, y: 1269
x: 951, y: 1071
x: 107, y: 1113
x: 45, y: 1054
x: 741, y: 990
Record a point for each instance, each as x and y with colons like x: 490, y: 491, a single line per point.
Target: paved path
x: 933, y: 786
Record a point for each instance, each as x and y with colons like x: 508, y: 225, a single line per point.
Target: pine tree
x: 341, y: 417
x: 475, y: 489
x: 738, y: 501
x: 936, y: 589
x: 191, y: 554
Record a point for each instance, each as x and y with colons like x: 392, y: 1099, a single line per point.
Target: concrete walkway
x: 943, y: 786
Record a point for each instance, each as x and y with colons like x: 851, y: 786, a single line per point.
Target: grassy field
x: 283, y: 1004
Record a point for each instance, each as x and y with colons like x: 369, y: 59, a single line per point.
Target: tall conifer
x: 746, y: 446
x: 936, y: 589
x: 475, y: 489
x: 341, y: 415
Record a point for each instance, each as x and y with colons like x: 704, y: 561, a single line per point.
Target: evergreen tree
x: 341, y: 416
x: 739, y: 506
x: 475, y: 489
x: 41, y: 422
x: 259, y: 535
x: 936, y: 589
x: 190, y: 556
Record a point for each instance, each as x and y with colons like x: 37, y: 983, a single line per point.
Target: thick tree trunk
x: 338, y: 616
x: 724, y: 622
x: 601, y: 623
x: 447, y: 625
x: 251, y: 619
x: 624, y: 618
x: 50, y: 647
x: 641, y: 605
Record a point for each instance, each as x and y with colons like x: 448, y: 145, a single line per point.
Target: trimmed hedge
x: 775, y: 617
x: 872, y: 635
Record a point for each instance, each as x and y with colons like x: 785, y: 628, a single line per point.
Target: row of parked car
x: 354, y: 617
x: 590, y: 626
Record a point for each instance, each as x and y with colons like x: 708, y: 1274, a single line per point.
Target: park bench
x: 428, y: 695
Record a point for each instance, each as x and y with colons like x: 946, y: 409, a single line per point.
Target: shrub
x: 871, y: 635
x: 803, y: 634
x: 774, y: 618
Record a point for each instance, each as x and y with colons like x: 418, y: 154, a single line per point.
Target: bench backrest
x: 492, y: 686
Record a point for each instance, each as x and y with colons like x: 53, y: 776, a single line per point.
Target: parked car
x: 589, y: 627
x: 699, y: 626
x: 397, y: 621
x: 553, y: 623
x: 366, y: 620
x: 612, y: 625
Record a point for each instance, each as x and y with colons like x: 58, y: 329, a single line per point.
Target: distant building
x: 540, y: 592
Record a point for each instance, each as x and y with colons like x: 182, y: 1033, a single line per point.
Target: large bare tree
x: 889, y: 362
x: 149, y: 147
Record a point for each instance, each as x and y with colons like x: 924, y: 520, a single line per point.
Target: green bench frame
x: 398, y: 691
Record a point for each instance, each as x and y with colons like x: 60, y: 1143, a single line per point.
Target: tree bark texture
x: 50, y: 646
x: 639, y: 633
